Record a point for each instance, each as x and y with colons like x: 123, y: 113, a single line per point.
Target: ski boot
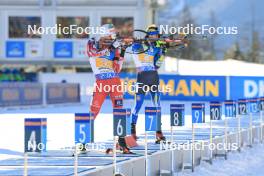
x: 160, y: 137
x: 121, y: 145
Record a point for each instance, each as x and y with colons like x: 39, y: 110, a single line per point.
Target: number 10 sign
x: 215, y: 110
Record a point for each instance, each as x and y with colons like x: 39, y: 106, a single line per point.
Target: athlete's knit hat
x: 109, y: 30
x: 152, y: 30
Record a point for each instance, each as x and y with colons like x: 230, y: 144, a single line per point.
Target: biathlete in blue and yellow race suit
x: 147, y: 65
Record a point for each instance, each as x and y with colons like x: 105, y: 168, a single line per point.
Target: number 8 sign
x: 197, y: 113
x: 177, y: 114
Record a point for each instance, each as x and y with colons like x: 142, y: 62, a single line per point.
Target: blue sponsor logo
x: 15, y: 49
x: 63, y: 49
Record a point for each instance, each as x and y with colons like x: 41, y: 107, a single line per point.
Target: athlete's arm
x: 160, y: 55
x: 118, y: 60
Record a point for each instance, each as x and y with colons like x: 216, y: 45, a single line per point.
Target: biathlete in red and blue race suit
x: 106, y: 62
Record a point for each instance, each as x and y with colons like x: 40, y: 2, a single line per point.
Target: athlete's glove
x: 117, y: 44
x: 163, y: 45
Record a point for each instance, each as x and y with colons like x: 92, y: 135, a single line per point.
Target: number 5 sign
x: 197, y: 113
x: 122, y: 122
x: 177, y: 114
x: 152, y: 118
x: 84, y: 128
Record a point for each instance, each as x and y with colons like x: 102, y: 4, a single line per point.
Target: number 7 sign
x: 152, y: 118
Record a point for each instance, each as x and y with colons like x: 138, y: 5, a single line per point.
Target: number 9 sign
x: 177, y: 114
x: 215, y: 110
x: 197, y: 113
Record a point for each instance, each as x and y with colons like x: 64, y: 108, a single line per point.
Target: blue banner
x: 15, y: 49
x: 187, y: 88
x: 63, y: 49
x: 246, y: 87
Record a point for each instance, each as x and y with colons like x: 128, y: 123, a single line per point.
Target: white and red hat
x: 109, y: 30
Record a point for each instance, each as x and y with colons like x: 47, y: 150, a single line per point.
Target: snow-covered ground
x: 250, y: 162
x: 60, y: 121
